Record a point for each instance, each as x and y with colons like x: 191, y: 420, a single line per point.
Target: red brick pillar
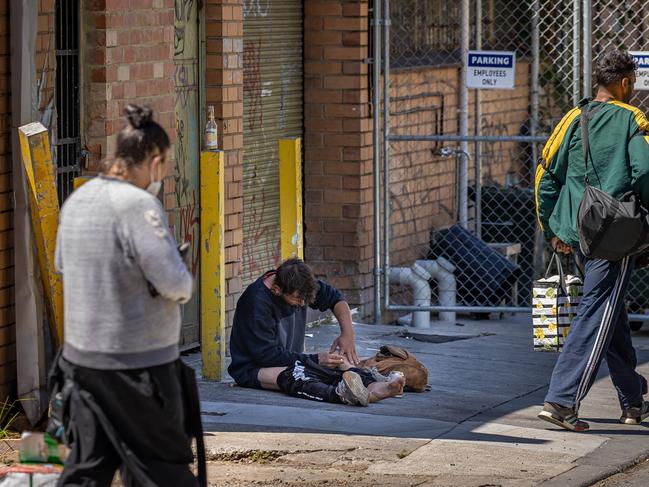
x: 338, y: 147
x: 224, y: 90
x: 127, y: 56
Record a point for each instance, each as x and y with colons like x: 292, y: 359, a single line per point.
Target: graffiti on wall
x: 252, y: 88
x: 272, y: 106
x: 256, y: 8
x: 183, y: 10
x: 503, y: 162
x: 261, y: 245
x: 187, y: 148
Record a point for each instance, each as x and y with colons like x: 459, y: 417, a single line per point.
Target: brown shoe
x: 562, y: 416
x: 635, y: 415
x: 351, y: 390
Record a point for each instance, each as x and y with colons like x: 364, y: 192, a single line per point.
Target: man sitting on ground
x: 267, y: 342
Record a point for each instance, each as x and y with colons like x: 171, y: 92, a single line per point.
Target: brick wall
x: 338, y: 147
x: 224, y: 90
x: 422, y: 184
x: 127, y: 54
x: 7, y: 321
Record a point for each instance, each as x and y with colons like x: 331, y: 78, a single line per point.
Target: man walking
x: 618, y: 163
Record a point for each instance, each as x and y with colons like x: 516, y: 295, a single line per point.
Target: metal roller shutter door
x: 273, y: 105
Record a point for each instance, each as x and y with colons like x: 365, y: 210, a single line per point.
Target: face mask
x: 154, y: 186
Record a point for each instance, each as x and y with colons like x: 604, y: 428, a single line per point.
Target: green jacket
x: 619, y: 146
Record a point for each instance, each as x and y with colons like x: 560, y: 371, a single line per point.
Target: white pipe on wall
x: 441, y: 270
x: 420, y: 290
x: 417, y: 278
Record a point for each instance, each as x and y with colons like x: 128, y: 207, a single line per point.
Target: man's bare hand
x: 560, y: 247
x: 331, y: 360
x: 346, y: 346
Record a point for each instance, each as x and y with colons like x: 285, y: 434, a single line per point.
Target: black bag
x: 609, y: 228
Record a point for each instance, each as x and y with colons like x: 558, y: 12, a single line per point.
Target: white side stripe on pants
x: 602, y: 333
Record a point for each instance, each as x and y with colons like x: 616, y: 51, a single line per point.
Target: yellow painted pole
x: 212, y: 288
x: 44, y: 209
x: 80, y: 181
x: 290, y: 197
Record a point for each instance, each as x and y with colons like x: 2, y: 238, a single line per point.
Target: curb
x: 613, y: 457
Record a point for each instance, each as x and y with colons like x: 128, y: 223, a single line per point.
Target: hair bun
x: 138, y: 116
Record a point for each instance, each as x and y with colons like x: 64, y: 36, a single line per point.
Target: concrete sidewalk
x: 477, y: 425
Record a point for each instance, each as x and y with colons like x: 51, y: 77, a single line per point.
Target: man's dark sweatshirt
x: 268, y: 332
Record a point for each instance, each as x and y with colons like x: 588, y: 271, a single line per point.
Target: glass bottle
x: 211, y: 130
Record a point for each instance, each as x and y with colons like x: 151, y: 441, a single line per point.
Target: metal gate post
x: 463, y: 112
x: 377, y: 159
x: 534, y: 95
x: 477, y: 158
x: 576, y: 54
x: 386, y: 153
x: 587, y: 47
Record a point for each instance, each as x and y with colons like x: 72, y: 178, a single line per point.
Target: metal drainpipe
x: 576, y: 58
x: 463, y: 110
x: 587, y: 47
x: 386, y: 153
x: 377, y: 160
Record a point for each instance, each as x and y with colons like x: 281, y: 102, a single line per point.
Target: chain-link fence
x: 459, y: 210
x: 625, y: 25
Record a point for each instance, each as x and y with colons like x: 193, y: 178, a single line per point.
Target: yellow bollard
x: 290, y: 197
x: 80, y: 181
x: 212, y: 285
x: 44, y: 208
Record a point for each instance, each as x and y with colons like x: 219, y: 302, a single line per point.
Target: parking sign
x: 642, y: 75
x: 490, y: 69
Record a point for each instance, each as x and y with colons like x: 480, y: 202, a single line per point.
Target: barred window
x: 67, y: 140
